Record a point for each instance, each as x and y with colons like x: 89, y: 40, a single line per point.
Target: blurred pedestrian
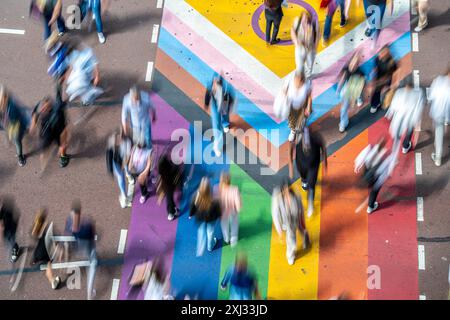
x: 288, y: 216
x: 136, y: 122
x: 15, y: 120
x: 422, y: 7
x: 139, y: 167
x: 331, y: 6
x: 93, y: 7
x: 305, y: 36
x: 273, y: 14
x: 385, y: 68
x: 8, y: 225
x: 350, y: 88
x: 230, y: 202
x: 440, y: 112
x: 221, y: 99
x: 207, y: 213
x: 170, y: 178
x: 50, y: 11
x: 243, y: 284
x: 375, y: 10
x: 84, y: 231
x: 157, y: 285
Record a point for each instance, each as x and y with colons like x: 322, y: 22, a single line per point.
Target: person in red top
x: 273, y: 14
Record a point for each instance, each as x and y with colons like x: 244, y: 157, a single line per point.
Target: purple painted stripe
x: 150, y: 233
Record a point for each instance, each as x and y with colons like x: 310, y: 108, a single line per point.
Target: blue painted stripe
x: 329, y: 99
x: 196, y: 276
x: 246, y: 109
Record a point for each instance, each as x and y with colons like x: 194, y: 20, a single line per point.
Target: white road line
x: 148, y: 75
x: 421, y: 257
x: 12, y: 31
x: 418, y: 163
x: 416, y: 79
x: 122, y: 241
x: 67, y: 238
x: 65, y: 265
x: 415, y: 42
x: 155, y: 33
x: 115, y: 289
x: 420, y: 209
x: 159, y: 4
x: 422, y: 297
x: 414, y: 10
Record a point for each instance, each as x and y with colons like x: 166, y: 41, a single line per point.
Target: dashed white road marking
x: 418, y: 163
x: 420, y: 209
x: 12, y: 31
x: 155, y: 33
x: 148, y: 75
x: 66, y: 265
x: 421, y: 257
x: 159, y: 4
x: 422, y: 297
x: 416, y: 79
x: 122, y: 241
x: 115, y: 289
x: 67, y: 238
x: 415, y: 42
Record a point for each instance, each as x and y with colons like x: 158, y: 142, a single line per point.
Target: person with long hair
x: 230, y: 202
x: 207, y: 212
x: 170, y: 178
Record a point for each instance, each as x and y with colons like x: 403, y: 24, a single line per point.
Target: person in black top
x: 375, y: 10
x: 169, y: 180
x: 309, y: 153
x: 8, y: 224
x: 50, y: 117
x: 385, y: 67
x: 273, y: 14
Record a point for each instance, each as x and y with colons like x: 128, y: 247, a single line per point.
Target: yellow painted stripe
x: 299, y: 281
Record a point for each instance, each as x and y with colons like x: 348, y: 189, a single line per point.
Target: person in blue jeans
x: 331, y: 6
x: 207, y: 213
x: 95, y: 7
x: 243, y: 285
x: 50, y: 11
x: 372, y: 8
x: 221, y: 98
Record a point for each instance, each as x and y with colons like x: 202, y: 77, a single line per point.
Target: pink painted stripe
x: 217, y: 61
x: 329, y: 77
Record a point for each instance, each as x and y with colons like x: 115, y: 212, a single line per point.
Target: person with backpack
x: 8, y: 225
x: 221, y: 99
x: 170, y: 178
x: 49, y: 117
x: 117, y: 156
x: 207, y: 212
x: 15, y: 120
x: 50, y: 12
x: 230, y: 202
x: 95, y: 8
x: 288, y: 216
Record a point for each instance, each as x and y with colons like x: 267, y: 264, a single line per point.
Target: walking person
x: 136, y: 119
x: 93, y: 7
x: 331, y: 6
x: 230, y: 202
x: 288, y: 216
x: 273, y: 14
x: 310, y: 151
x: 15, y: 120
x: 440, y: 113
x: 221, y: 99
x: 83, y: 229
x: 423, y: 7
x: 117, y: 157
x: 350, y: 88
x: 170, y: 178
x: 139, y: 167
x: 50, y: 12
x: 385, y: 69
x: 207, y: 213
x: 405, y: 114
x: 8, y: 226
x: 375, y: 10
x: 305, y: 36
x: 242, y: 282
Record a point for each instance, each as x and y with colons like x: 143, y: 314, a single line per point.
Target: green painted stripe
x: 255, y: 230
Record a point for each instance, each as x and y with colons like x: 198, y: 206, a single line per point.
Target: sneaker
x: 437, y: 161
x: 21, y: 161
x: 406, y: 150
x: 310, y: 210
x: 359, y: 102
x: 101, y: 37
x: 369, y: 32
x: 170, y: 216
x: 373, y: 109
x: 63, y: 161
x: 55, y: 283
x: 14, y: 255
x: 343, y: 23
x: 291, y: 261
x: 305, y: 185
x: 341, y: 129
x: 285, y: 4
x: 324, y: 43
x: 217, y: 152
x: 226, y: 129
x: 60, y: 34
x: 142, y: 199
x: 214, y: 245
x: 277, y: 40
x: 420, y: 28
x: 123, y: 201
x: 375, y: 207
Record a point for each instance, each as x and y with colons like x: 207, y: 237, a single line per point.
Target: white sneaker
x: 373, y: 109
x: 101, y: 37
x: 170, y: 216
x: 310, y: 210
x: 123, y: 201
x: 305, y: 185
x: 437, y: 161
x: 142, y: 200
x: 375, y: 207
x: 359, y: 102
x: 56, y: 282
x: 217, y: 152
x: 291, y: 261
x: 341, y: 129
x: 226, y: 129
x: 406, y: 150
x: 419, y: 28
